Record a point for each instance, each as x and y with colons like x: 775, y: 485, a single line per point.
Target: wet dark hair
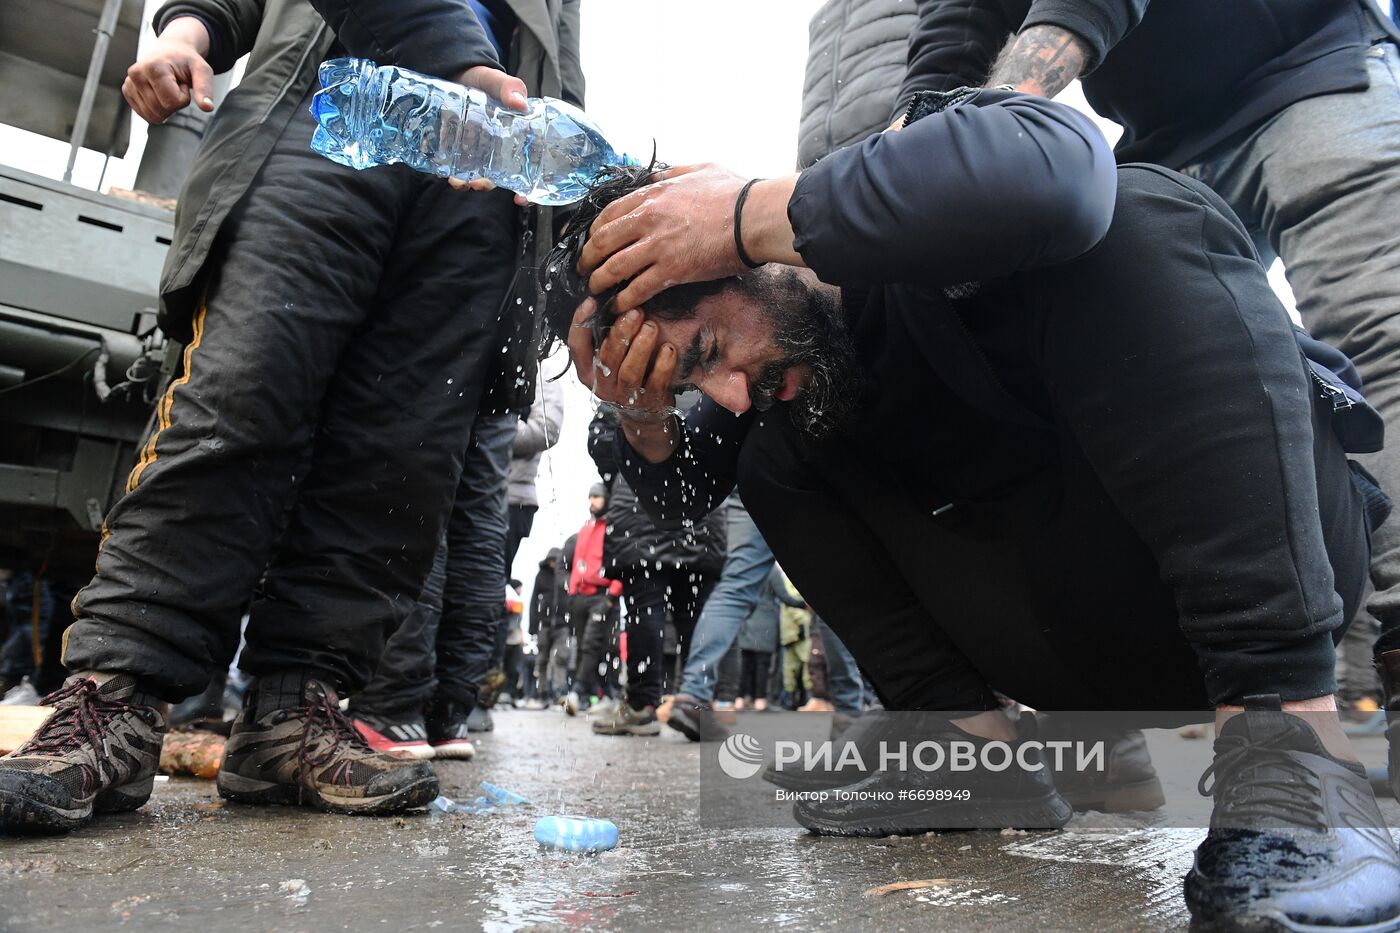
x: 565, y: 288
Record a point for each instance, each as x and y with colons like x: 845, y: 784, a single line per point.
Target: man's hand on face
x: 679, y: 229
x: 507, y: 89
x: 166, y: 77
x: 630, y: 372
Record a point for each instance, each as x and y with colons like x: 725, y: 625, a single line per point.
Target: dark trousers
x: 753, y: 674
x: 1187, y: 534
x: 522, y: 519
x: 447, y: 644
x: 314, y: 438
x: 654, y: 597
x: 593, y: 618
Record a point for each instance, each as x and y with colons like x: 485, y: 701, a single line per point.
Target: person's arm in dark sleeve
x: 700, y: 473
x: 436, y: 37
x: 570, y: 64
x: 955, y: 42
x: 998, y: 184
x: 232, y: 25
x: 1061, y: 40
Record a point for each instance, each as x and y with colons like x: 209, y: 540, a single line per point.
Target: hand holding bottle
x: 165, y: 78
x: 510, y: 91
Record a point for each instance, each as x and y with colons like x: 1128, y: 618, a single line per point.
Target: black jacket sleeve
x: 1100, y: 23
x: 233, y: 26
x: 955, y: 43
x: 998, y: 184
x: 698, y: 476
x: 436, y: 37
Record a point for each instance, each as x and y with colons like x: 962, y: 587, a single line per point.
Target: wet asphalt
x: 188, y: 861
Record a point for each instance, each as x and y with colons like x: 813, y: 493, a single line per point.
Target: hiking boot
x: 696, y: 720
x: 98, y: 751
x: 1388, y: 665
x: 401, y: 736
x: 447, y: 730
x: 1127, y: 783
x: 1296, y: 841
x: 312, y: 754
x: 624, y: 720
x: 940, y: 794
x: 202, y: 709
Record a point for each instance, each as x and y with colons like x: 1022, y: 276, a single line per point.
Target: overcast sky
x: 716, y: 81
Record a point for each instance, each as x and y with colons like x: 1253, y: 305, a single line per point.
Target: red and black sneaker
x: 402, y: 738
x: 97, y: 751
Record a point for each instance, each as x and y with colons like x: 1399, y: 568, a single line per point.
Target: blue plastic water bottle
x: 576, y: 833
x: 370, y: 114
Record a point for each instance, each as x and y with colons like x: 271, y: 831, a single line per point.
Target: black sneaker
x: 695, y: 720
x: 203, y: 710
x: 97, y: 751
x: 312, y: 754
x: 1128, y: 782
x: 447, y: 730
x: 866, y: 732
x: 1297, y: 841
x: 904, y: 801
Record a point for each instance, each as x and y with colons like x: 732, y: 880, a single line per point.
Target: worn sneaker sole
x: 1121, y: 798
x: 1048, y: 812
x: 242, y: 789
x: 460, y: 749
x: 650, y: 728
x: 681, y: 720
x: 1280, y: 923
x: 21, y: 813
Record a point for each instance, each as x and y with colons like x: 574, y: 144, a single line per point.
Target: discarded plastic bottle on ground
x: 502, y: 797
x: 576, y: 833
x: 370, y: 114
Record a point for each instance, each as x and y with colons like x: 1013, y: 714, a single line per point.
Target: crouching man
x: 1058, y: 408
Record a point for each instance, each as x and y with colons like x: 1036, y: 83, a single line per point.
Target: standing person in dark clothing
x: 338, y: 329
x: 549, y: 620
x: 1119, y: 479
x: 538, y: 431
x: 592, y: 605
x: 1288, y: 111
x: 666, y: 574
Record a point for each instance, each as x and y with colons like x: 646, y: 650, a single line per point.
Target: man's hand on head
x: 680, y: 229
x: 632, y: 371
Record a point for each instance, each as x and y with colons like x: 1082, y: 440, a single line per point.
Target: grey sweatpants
x: 1317, y: 186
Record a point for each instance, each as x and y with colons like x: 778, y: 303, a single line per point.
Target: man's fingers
x: 640, y: 290
x: 675, y: 171
x: 620, y: 267
x: 581, y: 342
x: 663, y: 374
x: 507, y: 89
x: 141, y: 102
x: 615, y: 346
x: 202, y: 84
x: 605, y: 240
x: 632, y: 374
x: 168, y: 92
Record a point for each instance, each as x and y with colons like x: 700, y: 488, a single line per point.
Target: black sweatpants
x: 445, y: 647
x: 1186, y: 532
x: 593, y: 618
x: 315, y: 436
x: 654, y: 596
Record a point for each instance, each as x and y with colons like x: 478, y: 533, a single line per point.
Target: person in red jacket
x: 592, y: 599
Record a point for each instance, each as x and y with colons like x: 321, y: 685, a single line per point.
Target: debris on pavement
x: 883, y: 889
x: 576, y: 833
x: 196, y: 754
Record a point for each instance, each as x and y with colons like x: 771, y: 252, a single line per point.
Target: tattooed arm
x: 1042, y: 60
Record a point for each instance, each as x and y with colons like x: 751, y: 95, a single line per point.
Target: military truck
x: 82, y: 360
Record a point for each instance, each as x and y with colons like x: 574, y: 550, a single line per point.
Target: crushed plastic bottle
x: 370, y: 114
x: 493, y: 798
x: 502, y: 797
x: 576, y: 833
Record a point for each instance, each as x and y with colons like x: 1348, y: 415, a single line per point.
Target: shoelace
x: 86, y: 716
x: 341, y: 730
x: 1263, y: 781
